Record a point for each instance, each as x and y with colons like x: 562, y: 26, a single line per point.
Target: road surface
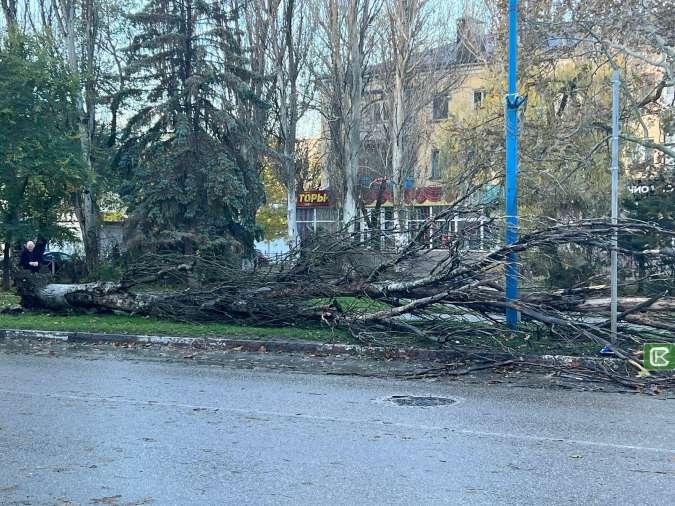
x: 106, y: 430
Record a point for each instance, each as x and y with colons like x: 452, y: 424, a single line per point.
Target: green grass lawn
x: 536, y: 342
x: 140, y: 325
x: 8, y: 299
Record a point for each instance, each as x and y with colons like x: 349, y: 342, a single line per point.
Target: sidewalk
x: 263, y: 345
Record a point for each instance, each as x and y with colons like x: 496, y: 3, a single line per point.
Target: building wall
x: 111, y: 235
x: 374, y: 162
x: 460, y: 103
x: 480, y: 77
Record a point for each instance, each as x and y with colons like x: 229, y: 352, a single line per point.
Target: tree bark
x: 6, y: 266
x: 84, y: 202
x: 410, y: 83
x: 90, y: 296
x: 292, y: 215
x: 347, y: 31
x: 288, y: 66
x: 397, y: 154
x: 9, y: 9
x: 262, y: 306
x: 401, y: 41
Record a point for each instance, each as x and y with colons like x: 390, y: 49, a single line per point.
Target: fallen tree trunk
x: 36, y: 292
x: 651, y: 322
x: 228, y: 303
x: 626, y: 303
x: 308, y: 284
x: 432, y: 303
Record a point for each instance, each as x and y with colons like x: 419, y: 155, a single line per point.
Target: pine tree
x: 185, y: 153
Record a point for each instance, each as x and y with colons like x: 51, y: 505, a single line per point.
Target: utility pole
x: 513, y: 102
x: 616, y: 83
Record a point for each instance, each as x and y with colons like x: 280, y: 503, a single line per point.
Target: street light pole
x: 616, y: 83
x: 513, y: 102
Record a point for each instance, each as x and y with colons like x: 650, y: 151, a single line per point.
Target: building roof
x: 472, y: 46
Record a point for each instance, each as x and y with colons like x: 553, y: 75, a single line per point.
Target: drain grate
x: 424, y: 401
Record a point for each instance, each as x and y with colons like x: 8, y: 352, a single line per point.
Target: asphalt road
x: 75, y: 430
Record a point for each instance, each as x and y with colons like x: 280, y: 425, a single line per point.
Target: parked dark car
x: 54, y: 260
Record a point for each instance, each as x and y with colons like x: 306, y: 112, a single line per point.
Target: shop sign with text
x: 315, y: 198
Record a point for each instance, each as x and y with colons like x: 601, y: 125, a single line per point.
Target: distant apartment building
x: 458, y: 70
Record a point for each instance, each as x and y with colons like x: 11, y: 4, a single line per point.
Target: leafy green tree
x: 185, y: 155
x: 40, y: 164
x: 272, y: 216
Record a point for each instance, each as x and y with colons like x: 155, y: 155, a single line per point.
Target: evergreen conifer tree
x: 185, y: 154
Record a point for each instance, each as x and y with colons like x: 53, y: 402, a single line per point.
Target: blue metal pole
x: 513, y: 102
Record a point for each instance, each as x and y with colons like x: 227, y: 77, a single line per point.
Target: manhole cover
x: 413, y: 400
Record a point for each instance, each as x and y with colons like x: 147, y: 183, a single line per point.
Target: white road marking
x: 300, y: 416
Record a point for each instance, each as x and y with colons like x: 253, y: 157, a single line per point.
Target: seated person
x: 30, y: 257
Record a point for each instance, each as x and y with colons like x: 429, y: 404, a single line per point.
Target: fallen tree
x: 399, y: 297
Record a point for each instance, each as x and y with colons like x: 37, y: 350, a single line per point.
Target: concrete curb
x: 300, y: 347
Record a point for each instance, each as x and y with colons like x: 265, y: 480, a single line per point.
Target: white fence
x: 476, y: 232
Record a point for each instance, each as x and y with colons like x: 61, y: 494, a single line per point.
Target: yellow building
x: 471, y: 77
x: 450, y: 81
x: 458, y: 71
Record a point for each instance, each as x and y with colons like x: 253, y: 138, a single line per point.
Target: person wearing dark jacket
x: 30, y: 257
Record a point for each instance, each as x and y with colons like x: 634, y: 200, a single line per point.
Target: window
x: 435, y: 165
x: 442, y: 233
x: 316, y: 220
x: 643, y: 155
x: 440, y: 107
x: 384, y: 108
x: 478, y: 97
x: 377, y: 112
x: 648, y: 153
x: 417, y: 217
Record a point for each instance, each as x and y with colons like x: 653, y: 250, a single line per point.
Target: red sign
x: 315, y: 198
